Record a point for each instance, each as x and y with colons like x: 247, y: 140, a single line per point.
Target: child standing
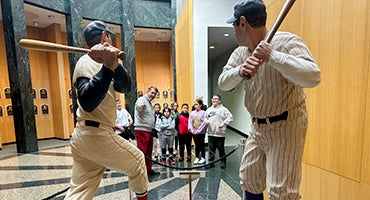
x: 197, y: 127
x: 166, y: 128
x: 184, y: 133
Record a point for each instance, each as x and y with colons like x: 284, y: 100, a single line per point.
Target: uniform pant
x: 273, y: 158
x: 144, y: 140
x: 94, y: 150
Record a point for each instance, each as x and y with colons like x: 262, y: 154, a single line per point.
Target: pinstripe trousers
x: 273, y: 158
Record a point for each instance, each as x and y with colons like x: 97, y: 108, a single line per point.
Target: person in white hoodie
x: 217, y: 118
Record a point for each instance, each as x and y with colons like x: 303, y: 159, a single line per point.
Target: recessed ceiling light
x: 211, y: 46
x: 226, y: 35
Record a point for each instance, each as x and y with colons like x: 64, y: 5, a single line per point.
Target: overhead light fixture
x: 159, y: 39
x: 226, y: 35
x: 36, y: 23
x: 211, y: 46
x: 51, y: 17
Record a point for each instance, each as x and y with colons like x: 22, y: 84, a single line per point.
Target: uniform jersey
x: 104, y: 113
x: 276, y: 87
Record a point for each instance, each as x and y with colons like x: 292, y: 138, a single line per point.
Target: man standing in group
x: 94, y: 144
x: 144, y: 124
x: 123, y: 122
x: 217, y: 118
x: 274, y: 97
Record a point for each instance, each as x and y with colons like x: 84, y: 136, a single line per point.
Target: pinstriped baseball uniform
x: 273, y: 153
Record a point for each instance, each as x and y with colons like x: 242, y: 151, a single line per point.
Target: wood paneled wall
x: 6, y: 122
x: 49, y: 71
x: 184, y: 55
x: 337, y: 151
x: 153, y: 68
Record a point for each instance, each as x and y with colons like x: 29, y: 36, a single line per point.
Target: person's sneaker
x: 202, y: 161
x: 188, y: 158
x: 181, y: 159
x: 171, y: 161
x: 196, y: 161
x: 163, y: 162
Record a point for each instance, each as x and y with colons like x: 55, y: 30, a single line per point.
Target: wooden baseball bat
x: 53, y: 47
x: 283, y: 13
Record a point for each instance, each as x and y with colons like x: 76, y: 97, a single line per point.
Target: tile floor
x: 45, y: 175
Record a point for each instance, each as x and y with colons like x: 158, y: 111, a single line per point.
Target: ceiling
x: 42, y: 18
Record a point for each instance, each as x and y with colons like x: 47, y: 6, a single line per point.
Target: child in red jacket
x: 181, y: 125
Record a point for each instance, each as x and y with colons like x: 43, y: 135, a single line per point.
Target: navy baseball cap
x: 94, y: 29
x: 247, y: 8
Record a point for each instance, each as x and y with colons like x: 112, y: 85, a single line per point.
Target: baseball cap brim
x: 231, y: 20
x: 112, y: 35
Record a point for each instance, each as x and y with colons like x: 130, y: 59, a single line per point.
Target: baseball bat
x: 53, y: 47
x: 283, y: 13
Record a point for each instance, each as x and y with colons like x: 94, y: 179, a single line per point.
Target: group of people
x: 177, y: 129
x: 274, y: 75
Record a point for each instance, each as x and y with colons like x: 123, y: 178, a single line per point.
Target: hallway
x: 47, y: 172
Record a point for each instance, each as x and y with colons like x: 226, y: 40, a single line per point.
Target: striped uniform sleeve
x: 295, y: 63
x: 230, y: 78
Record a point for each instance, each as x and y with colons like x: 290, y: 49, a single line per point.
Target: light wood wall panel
x: 40, y: 79
x: 184, y: 55
x: 67, y: 78
x: 6, y: 123
x: 49, y: 71
x: 336, y: 107
x: 321, y: 184
x: 153, y: 68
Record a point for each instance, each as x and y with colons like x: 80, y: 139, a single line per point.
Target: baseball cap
x: 94, y: 29
x: 247, y: 8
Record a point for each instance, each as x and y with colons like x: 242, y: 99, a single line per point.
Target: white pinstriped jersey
x: 278, y: 84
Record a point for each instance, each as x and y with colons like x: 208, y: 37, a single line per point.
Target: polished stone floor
x: 45, y: 175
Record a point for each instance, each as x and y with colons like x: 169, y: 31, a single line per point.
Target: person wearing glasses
x: 217, y: 118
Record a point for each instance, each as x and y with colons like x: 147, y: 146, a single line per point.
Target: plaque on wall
x: 165, y: 94
x: 71, y: 108
x: 45, y: 109
x: 158, y: 95
x: 165, y: 105
x: 35, y: 109
x: 70, y: 93
x: 43, y: 93
x: 34, y: 93
x: 9, y: 110
x: 7, y: 93
x: 1, y: 111
x: 139, y: 93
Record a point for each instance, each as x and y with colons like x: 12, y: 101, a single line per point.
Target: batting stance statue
x: 94, y: 144
x: 274, y: 97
